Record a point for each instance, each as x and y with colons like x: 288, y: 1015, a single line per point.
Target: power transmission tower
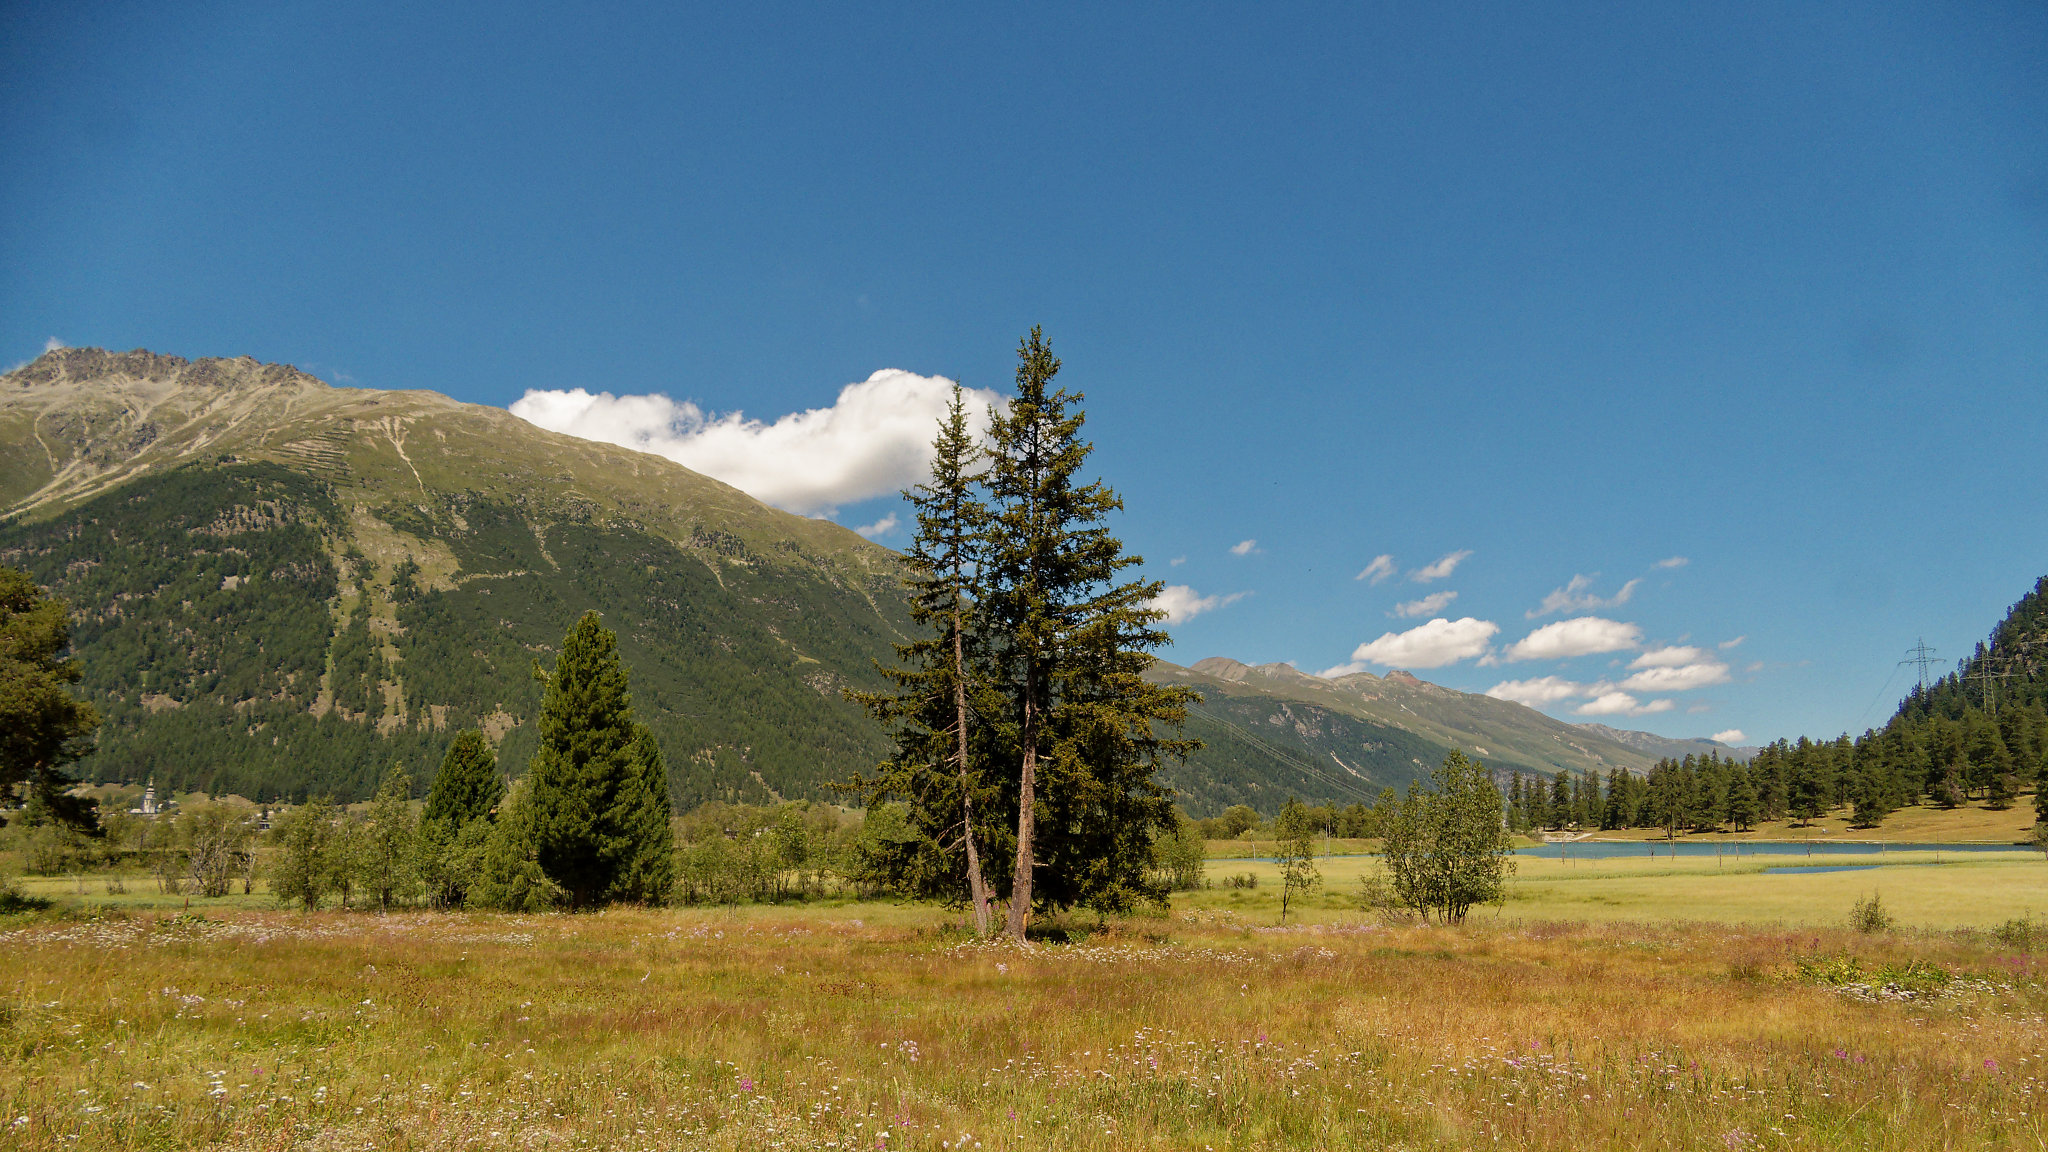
x: 1921, y: 656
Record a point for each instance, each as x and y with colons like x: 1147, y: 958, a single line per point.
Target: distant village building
x: 149, y: 806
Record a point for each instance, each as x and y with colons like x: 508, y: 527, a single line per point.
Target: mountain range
x: 281, y: 587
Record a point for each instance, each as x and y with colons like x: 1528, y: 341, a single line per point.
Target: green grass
x: 1958, y: 892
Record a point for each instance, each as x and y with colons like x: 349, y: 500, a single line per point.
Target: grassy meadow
x: 1627, y: 1004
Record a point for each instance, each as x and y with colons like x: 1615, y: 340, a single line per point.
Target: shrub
x: 2020, y: 933
x: 1241, y: 880
x: 1870, y: 916
x: 1180, y: 856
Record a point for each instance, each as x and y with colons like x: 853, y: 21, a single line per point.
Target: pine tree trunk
x: 977, y: 888
x: 1027, y: 790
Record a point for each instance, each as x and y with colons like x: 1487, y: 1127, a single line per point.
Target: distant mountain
x: 1664, y: 747
x: 1274, y: 730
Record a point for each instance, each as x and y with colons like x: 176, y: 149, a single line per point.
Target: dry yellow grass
x: 877, y: 1027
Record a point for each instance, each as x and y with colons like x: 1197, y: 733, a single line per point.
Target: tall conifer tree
x: 1072, y: 655
x: 938, y: 761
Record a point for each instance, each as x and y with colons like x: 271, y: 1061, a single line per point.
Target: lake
x: 1614, y: 849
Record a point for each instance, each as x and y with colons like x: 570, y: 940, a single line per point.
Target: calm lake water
x: 1611, y: 849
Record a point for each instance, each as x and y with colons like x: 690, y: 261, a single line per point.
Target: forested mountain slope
x: 282, y: 586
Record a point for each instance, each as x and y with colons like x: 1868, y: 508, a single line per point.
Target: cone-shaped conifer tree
x: 590, y: 798
x: 468, y: 786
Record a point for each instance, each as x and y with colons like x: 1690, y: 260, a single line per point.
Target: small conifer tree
x: 468, y: 785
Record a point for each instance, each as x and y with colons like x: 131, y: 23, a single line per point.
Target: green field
x: 1957, y: 892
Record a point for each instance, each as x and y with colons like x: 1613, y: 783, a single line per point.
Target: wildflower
x: 1991, y: 1064
x: 1841, y: 1055
x: 746, y: 1084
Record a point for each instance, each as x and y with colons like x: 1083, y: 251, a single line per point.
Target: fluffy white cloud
x: 885, y: 525
x: 1731, y: 736
x: 1621, y: 704
x: 1444, y: 566
x: 1670, y: 656
x: 1430, y: 645
x: 1434, y: 602
x: 1181, y: 602
x: 874, y: 440
x: 1244, y: 547
x: 1538, y: 693
x: 1582, y: 636
x: 1575, y: 597
x: 1673, y: 562
x: 1725, y: 645
x: 1382, y: 566
x: 1681, y: 678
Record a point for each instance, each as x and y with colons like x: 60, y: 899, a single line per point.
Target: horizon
x: 1669, y: 371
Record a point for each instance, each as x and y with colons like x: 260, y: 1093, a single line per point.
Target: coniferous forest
x: 1978, y: 735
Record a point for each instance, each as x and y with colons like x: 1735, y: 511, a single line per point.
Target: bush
x: 2020, y: 933
x: 1180, y: 856
x: 1870, y: 916
x: 1242, y: 880
x: 13, y: 899
x: 1446, y: 846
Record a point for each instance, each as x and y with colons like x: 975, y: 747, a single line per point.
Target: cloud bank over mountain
x: 874, y: 440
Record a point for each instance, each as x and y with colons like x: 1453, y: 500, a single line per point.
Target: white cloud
x: 1444, y: 566
x: 1538, y: 693
x: 1430, y: 645
x: 1382, y: 566
x: 1574, y: 597
x: 1621, y: 704
x: 1434, y: 602
x: 1244, y: 547
x: 879, y: 527
x: 874, y: 440
x: 1725, y: 645
x: 1582, y: 636
x: 1681, y: 678
x: 1181, y: 602
x: 1673, y: 562
x: 1731, y: 736
x: 1667, y: 657
x: 1176, y: 562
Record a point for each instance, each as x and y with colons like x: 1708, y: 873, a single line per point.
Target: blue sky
x: 1572, y: 291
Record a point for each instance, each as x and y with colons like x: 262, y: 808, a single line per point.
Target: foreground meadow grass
x: 877, y: 1027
